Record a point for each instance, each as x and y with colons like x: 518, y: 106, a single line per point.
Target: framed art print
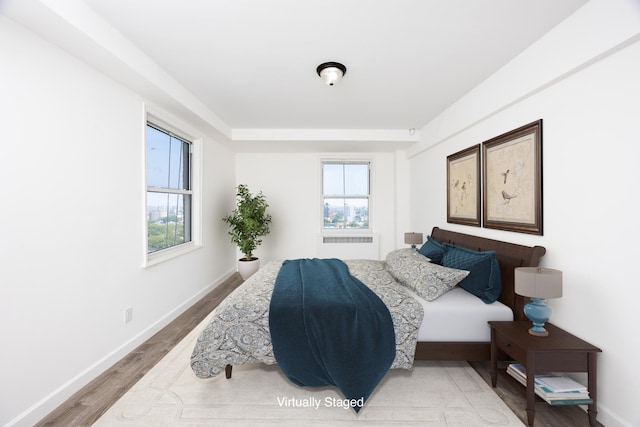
x: 512, y: 180
x: 463, y: 187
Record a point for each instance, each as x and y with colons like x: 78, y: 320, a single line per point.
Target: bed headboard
x: 510, y: 256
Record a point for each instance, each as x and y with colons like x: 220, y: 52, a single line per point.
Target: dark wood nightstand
x: 558, y: 352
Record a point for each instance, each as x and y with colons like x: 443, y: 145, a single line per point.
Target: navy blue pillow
x: 433, y: 250
x: 484, y: 279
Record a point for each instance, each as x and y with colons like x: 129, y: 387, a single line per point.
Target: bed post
x: 227, y: 371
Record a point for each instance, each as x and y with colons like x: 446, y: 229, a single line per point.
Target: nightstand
x: 558, y: 352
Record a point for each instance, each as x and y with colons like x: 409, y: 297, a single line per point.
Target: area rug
x: 432, y: 394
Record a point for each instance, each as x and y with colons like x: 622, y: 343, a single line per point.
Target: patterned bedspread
x: 238, y: 332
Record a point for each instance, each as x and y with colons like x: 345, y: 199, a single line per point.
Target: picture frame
x: 463, y: 187
x: 512, y: 180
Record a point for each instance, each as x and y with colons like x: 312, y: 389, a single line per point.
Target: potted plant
x: 249, y: 221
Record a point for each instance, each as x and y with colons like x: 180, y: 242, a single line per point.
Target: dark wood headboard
x: 510, y: 256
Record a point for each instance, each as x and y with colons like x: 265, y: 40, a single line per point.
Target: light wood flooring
x: 89, y: 403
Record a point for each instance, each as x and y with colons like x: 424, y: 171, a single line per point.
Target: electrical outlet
x: 128, y: 314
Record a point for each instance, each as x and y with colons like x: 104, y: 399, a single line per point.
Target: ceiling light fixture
x: 331, y: 72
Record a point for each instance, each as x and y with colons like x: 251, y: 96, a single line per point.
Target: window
x: 169, y: 192
x: 345, y: 194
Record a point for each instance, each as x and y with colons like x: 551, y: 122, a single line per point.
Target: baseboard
x: 50, y: 402
x: 610, y: 419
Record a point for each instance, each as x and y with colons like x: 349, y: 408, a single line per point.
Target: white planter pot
x: 247, y: 268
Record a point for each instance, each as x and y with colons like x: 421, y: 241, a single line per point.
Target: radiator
x: 358, y: 246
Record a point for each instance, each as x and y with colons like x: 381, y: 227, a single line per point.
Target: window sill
x: 169, y: 254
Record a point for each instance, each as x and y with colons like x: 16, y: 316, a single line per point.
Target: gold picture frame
x: 512, y: 180
x: 463, y: 187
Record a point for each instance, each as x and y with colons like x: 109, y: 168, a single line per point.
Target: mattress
x: 459, y: 316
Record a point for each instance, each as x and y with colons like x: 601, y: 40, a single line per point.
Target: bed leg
x: 227, y: 371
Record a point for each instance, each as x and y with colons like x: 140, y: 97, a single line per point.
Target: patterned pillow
x: 484, y: 280
x: 433, y: 250
x: 425, y: 278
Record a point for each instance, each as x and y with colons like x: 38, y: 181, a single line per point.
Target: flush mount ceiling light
x: 331, y: 72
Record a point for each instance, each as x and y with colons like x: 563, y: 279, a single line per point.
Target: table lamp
x: 413, y: 239
x: 539, y: 284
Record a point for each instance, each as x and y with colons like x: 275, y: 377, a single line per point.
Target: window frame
x: 323, y: 196
x: 175, y: 128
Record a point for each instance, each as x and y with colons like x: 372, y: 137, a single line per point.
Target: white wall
x: 590, y: 106
x: 292, y: 184
x: 71, y: 198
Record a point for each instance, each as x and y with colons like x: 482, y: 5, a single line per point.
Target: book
x: 544, y: 392
x: 522, y: 371
x: 550, y: 380
x: 518, y: 372
x: 569, y: 401
x: 566, y: 398
x: 561, y: 384
x: 572, y: 397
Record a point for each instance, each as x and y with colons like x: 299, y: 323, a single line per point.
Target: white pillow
x: 429, y: 280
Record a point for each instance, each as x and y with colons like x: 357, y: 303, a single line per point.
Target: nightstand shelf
x: 559, y: 352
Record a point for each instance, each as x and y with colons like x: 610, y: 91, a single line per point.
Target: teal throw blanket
x: 328, y: 328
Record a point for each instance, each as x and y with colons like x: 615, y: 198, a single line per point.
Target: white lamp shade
x: 536, y: 282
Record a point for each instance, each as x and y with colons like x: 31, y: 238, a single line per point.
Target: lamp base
x: 544, y: 333
x: 539, y: 313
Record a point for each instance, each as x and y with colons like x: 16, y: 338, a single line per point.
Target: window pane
x: 166, y: 220
x: 357, y: 213
x: 346, y: 213
x: 356, y: 179
x: 167, y: 160
x: 333, y: 179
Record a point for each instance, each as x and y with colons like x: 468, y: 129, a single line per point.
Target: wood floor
x: 89, y: 403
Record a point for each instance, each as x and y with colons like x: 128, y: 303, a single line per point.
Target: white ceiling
x: 252, y: 63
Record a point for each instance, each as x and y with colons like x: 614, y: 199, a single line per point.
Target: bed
x: 509, y: 256
x: 238, y: 332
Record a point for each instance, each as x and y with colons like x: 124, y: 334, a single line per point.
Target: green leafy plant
x: 249, y: 221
